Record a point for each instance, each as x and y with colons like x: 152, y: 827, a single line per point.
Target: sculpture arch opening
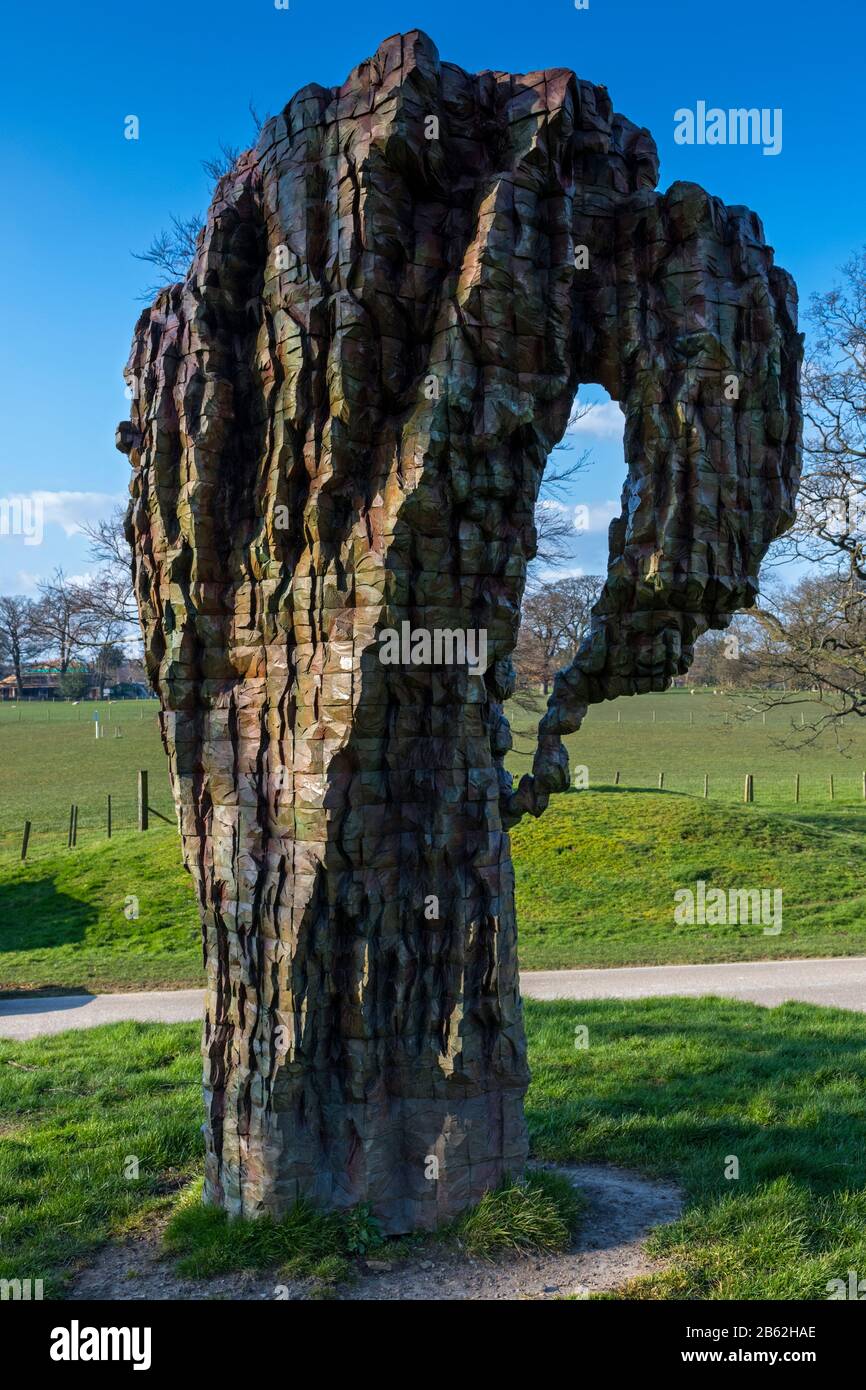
x: 339, y: 425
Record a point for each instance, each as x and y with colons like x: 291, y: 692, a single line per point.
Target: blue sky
x: 80, y: 197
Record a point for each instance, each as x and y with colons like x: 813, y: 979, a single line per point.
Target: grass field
x: 595, y: 879
x: 50, y: 758
x: 596, y: 875
x: 63, y: 922
x: 672, y: 1087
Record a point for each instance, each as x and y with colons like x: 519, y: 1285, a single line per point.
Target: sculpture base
x: 416, y: 1163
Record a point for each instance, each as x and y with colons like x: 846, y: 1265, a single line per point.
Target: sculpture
x: 339, y: 426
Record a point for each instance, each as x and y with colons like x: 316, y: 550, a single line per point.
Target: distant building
x: 40, y: 680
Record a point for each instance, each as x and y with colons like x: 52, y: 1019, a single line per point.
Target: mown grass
x: 51, y: 759
x: 775, y: 751
x: 597, y: 873
x: 101, y: 1135
x: 78, y: 1111
x: 595, y: 880
x: 672, y: 1087
x: 64, y: 923
x: 680, y: 1087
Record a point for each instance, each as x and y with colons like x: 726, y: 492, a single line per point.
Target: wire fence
x: 87, y: 821
x: 70, y: 800
x: 67, y: 712
x: 810, y: 788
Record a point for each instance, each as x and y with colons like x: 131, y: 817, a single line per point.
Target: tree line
x: 808, y: 636
x: 81, y: 624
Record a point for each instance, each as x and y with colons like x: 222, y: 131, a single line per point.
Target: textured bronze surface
x: 339, y: 425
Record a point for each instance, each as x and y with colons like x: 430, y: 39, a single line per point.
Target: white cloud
x: 566, y: 572
x: 26, y: 582
x: 73, y: 510
x: 595, y: 518
x: 604, y: 420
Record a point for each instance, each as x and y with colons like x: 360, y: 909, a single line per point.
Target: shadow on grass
x: 783, y: 1089
x: 34, y: 916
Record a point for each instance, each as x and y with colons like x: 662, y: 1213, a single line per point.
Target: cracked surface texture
x: 340, y: 422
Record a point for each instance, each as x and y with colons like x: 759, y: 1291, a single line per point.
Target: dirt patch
x: 622, y: 1208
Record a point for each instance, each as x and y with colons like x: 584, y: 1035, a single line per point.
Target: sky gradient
x: 81, y: 197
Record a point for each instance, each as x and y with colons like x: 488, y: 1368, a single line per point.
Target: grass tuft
x: 209, y: 1244
x: 536, y: 1213
x: 539, y: 1212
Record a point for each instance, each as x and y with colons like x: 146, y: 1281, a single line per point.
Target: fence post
x: 26, y: 839
x: 797, y: 786
x: 71, y: 823
x: 74, y: 826
x: 706, y: 784
x: 749, y: 788
x: 616, y: 777
x: 142, y: 800
x: 109, y: 816
x: 864, y: 786
x: 654, y: 716
x: 832, y: 796
x: 661, y: 781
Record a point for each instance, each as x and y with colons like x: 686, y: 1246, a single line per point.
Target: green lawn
x: 50, y: 758
x: 676, y: 1088
x: 672, y: 1087
x: 597, y: 873
x: 595, y: 876
x: 63, y: 923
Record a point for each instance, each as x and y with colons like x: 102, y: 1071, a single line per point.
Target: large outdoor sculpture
x: 340, y: 422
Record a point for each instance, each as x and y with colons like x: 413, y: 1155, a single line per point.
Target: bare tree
x: 554, y: 538
x: 555, y: 618
x: 735, y: 659
x: 257, y: 120
x: 107, y: 656
x: 815, y: 647
x: 65, y: 619
x: 554, y: 528
x: 222, y: 163
x: 20, y: 636
x: 111, y: 590
x: 172, y: 250
x: 816, y: 633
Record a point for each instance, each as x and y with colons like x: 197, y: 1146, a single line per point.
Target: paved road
x: 30, y: 1018
x: 835, y: 982
x: 840, y: 983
